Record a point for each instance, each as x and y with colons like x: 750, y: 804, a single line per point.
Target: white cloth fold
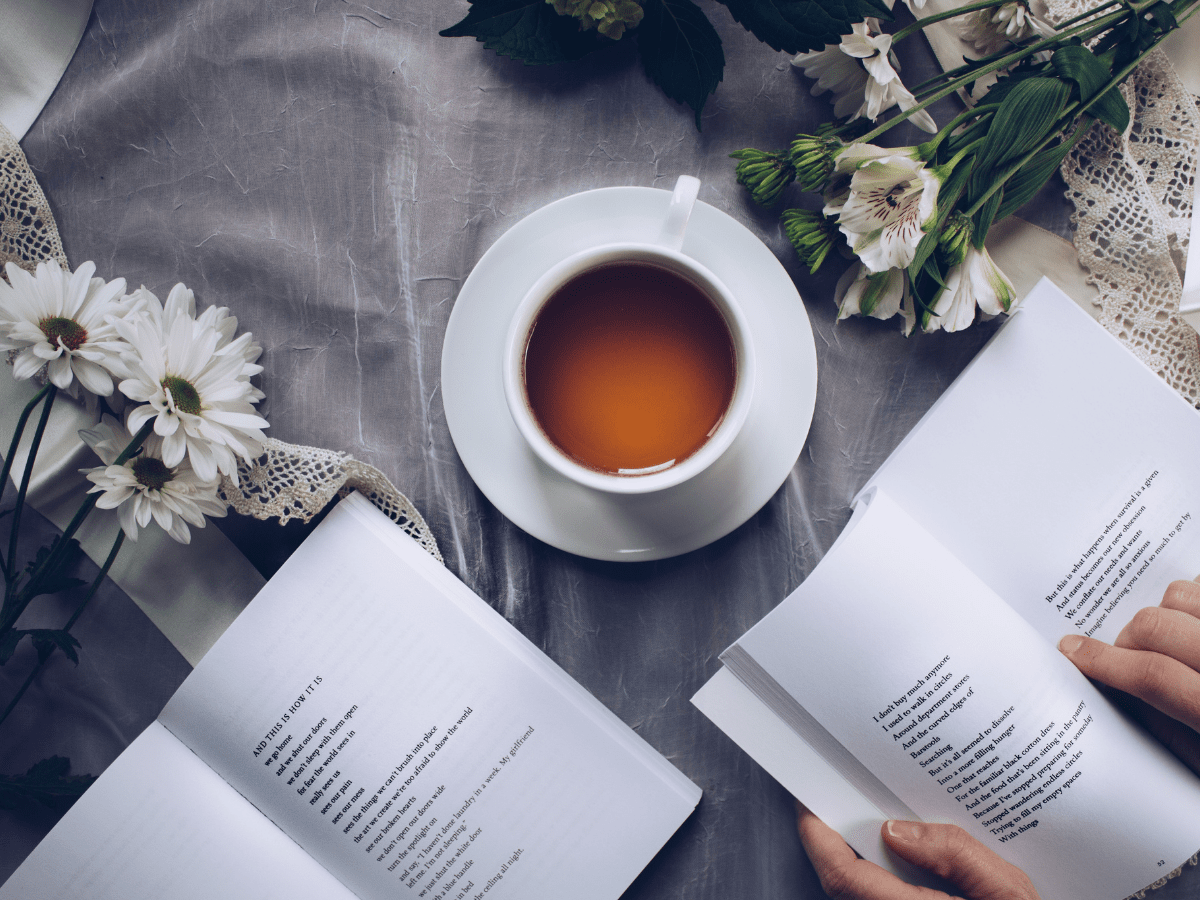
x: 37, y: 40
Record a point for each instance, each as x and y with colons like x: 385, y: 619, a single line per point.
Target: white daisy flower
x: 976, y: 281
x: 991, y: 30
x: 861, y: 292
x: 181, y: 301
x: 863, y: 76
x: 891, y: 200
x: 63, y: 321
x: 195, y: 380
x: 145, y: 488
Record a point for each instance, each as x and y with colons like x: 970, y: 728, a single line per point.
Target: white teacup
x: 664, y: 253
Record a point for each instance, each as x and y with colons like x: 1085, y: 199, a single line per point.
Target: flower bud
x: 811, y: 233
x: 955, y: 239
x: 813, y: 157
x: 765, y: 174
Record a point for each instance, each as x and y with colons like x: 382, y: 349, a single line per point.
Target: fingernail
x: 905, y: 831
x: 1070, y: 644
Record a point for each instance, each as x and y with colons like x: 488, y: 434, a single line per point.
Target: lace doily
x: 295, y: 482
x: 1133, y: 205
x: 28, y: 233
x: 288, y: 480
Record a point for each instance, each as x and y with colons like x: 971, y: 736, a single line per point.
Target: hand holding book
x: 1155, y: 659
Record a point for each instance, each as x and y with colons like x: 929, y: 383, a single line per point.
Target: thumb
x: 959, y: 858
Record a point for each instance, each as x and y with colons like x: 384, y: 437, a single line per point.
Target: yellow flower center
x: 151, y: 472
x: 185, y: 395
x: 70, y: 332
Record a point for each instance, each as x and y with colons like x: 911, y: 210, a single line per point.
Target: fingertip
x: 1070, y: 644
x: 906, y: 832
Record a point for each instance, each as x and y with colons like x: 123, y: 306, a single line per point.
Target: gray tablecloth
x: 332, y: 171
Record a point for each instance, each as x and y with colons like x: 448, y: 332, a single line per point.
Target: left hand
x: 945, y: 849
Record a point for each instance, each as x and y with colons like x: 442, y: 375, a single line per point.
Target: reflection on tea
x: 629, y: 368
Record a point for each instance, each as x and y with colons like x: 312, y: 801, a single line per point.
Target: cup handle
x: 678, y: 213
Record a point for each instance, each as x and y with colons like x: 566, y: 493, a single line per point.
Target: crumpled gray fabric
x: 332, y: 171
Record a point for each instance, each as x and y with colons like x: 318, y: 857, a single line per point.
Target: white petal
x: 173, y: 448
x: 59, y: 371
x: 93, y: 377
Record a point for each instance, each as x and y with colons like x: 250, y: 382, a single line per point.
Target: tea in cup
x: 629, y: 366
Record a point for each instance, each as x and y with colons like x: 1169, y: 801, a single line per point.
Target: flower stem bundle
x: 921, y: 214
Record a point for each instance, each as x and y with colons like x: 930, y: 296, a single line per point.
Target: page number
x: 1162, y: 862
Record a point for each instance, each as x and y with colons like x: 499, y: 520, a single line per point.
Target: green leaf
x: 1024, y: 185
x: 46, y: 783
x: 1163, y: 17
x: 528, y: 30
x: 926, y: 246
x: 56, y: 580
x: 1026, y: 116
x: 797, y: 26
x: 986, y: 216
x: 46, y: 640
x: 9, y: 643
x: 681, y: 51
x: 1079, y: 65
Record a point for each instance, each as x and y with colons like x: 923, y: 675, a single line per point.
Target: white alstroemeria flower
x: 976, y: 281
x: 195, y: 382
x: 991, y: 30
x: 863, y: 76
x: 891, y: 200
x: 63, y: 321
x: 144, y: 488
x: 861, y: 292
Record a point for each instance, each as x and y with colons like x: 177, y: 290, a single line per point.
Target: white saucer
x: 610, y: 526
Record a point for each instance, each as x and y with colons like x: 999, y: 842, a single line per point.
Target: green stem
x: 16, y: 438
x: 1067, y: 23
x: 6, y: 466
x: 920, y: 24
x: 34, y: 445
x: 930, y: 147
x: 112, y: 555
x: 1084, y: 31
x: 58, y: 550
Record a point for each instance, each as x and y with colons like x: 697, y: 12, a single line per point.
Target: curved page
x: 917, y: 674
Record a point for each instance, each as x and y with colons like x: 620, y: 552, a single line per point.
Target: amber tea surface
x: 629, y: 368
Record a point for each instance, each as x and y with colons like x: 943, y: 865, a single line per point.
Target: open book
x: 368, y: 728
x: 1053, y: 488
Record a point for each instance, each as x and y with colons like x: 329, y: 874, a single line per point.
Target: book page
x: 160, y: 823
x: 1060, y: 470
x: 413, y: 741
x: 916, y: 671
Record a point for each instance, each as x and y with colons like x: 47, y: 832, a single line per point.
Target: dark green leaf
x: 1079, y: 65
x: 797, y: 26
x: 927, y: 285
x: 1026, y: 116
x: 528, y: 30
x: 9, y: 643
x: 681, y: 51
x: 1163, y: 17
x: 986, y: 216
x: 1024, y: 185
x: 56, y: 579
x: 926, y: 246
x: 46, y: 640
x: 46, y: 783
